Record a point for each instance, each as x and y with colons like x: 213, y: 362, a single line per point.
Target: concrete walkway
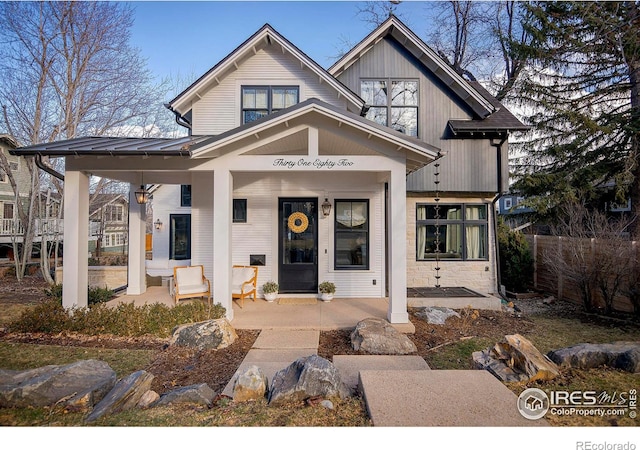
x: 398, y: 390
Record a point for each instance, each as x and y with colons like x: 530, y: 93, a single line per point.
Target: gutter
x: 54, y: 173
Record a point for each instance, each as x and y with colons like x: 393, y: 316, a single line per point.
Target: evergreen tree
x: 585, y: 90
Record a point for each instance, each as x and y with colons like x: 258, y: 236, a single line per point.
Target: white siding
x: 166, y: 201
x: 260, y: 234
x: 219, y: 108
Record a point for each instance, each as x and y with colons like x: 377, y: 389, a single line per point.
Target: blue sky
x: 188, y: 38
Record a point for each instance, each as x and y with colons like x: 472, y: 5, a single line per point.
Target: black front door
x: 298, y: 237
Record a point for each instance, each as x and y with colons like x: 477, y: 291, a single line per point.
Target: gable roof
x: 265, y: 36
x: 427, y: 56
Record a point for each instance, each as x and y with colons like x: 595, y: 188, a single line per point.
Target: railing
x: 48, y: 227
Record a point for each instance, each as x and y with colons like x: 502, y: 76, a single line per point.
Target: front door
x: 298, y: 237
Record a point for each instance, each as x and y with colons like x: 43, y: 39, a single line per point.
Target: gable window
x: 462, y: 232
x: 351, y: 235
x: 185, y: 195
x: 239, y: 210
x: 392, y: 103
x: 260, y: 101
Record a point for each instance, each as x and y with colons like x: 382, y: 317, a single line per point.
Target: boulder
x: 378, y: 337
x: 436, y: 315
x: 200, y: 394
x: 79, y: 384
x: 207, y: 335
x: 306, y: 377
x: 252, y: 384
x: 124, y: 396
x: 619, y: 355
x: 148, y: 399
x: 516, y: 359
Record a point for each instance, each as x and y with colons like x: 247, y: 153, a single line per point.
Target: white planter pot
x: 326, y: 297
x: 270, y: 296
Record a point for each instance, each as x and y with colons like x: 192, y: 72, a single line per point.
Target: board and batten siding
x: 469, y: 165
x: 260, y: 234
x: 219, y: 108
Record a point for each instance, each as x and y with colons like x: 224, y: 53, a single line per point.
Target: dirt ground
x: 174, y: 367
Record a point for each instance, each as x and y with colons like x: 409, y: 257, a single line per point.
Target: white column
x: 222, y: 213
x: 397, y: 312
x: 202, y: 250
x: 137, y: 283
x: 75, y: 275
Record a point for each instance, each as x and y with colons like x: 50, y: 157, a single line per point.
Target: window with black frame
x: 454, y: 231
x: 260, y: 101
x: 393, y: 103
x: 351, y: 234
x: 185, y: 195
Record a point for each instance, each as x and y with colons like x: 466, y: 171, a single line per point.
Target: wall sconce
x: 326, y: 207
x: 158, y: 224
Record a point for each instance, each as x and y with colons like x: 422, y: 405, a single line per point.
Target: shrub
x: 122, y: 320
x: 96, y: 294
x: 516, y: 263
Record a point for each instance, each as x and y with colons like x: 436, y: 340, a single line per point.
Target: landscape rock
x: 619, y: 355
x: 79, y: 384
x: 207, y: 335
x: 379, y: 337
x: 306, y: 377
x: 516, y: 359
x: 252, y: 384
x: 148, y: 399
x: 200, y: 394
x: 124, y: 396
x: 436, y: 315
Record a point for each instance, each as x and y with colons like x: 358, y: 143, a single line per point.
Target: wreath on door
x: 298, y: 222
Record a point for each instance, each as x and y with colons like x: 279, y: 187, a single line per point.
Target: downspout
x: 498, y: 146
x: 54, y: 173
x: 180, y: 120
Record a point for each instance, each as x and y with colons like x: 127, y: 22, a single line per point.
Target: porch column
x: 397, y: 312
x: 75, y: 274
x: 137, y: 283
x: 222, y: 210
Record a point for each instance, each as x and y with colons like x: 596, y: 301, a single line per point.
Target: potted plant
x: 327, y: 289
x: 270, y: 289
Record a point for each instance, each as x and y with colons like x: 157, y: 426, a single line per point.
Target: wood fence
x: 549, y: 281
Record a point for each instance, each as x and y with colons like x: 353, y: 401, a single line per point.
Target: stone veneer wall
x: 100, y: 276
x: 479, y: 276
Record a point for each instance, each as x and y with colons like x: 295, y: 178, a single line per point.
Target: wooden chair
x: 190, y: 282
x: 244, y: 280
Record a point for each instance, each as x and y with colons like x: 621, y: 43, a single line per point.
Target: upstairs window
x: 260, y: 101
x: 113, y: 213
x: 392, y: 103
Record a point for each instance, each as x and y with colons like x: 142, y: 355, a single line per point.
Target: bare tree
x: 66, y: 70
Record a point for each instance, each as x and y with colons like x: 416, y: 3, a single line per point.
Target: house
x: 108, y: 216
x: 377, y: 174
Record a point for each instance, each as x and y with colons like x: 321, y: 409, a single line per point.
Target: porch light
x: 326, y: 207
x: 158, y: 224
x: 142, y: 196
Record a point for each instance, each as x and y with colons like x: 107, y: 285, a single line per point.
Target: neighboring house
x: 513, y: 211
x: 8, y: 213
x: 316, y: 174
x: 108, y: 218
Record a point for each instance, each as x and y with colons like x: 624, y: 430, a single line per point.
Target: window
x: 260, y: 101
x: 393, y: 103
x: 113, y: 213
x: 507, y: 204
x: 180, y: 236
x: 185, y: 195
x: 3, y: 177
x: 7, y: 211
x: 239, y: 210
x: 462, y: 232
x: 352, y: 234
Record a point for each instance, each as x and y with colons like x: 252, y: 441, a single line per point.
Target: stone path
x: 398, y: 390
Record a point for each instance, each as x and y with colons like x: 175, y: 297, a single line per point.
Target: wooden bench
x: 244, y: 280
x: 190, y: 282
